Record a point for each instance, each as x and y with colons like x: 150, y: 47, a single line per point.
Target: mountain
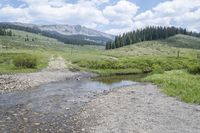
x: 74, y: 30
x: 74, y: 34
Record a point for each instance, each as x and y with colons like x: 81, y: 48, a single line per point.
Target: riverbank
x: 139, y: 108
x: 57, y: 70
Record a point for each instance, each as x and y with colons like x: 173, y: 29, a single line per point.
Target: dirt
x: 136, y: 109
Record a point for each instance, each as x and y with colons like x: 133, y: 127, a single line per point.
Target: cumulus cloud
x: 121, y: 16
x: 112, y: 17
x: 57, y: 11
x: 183, y: 13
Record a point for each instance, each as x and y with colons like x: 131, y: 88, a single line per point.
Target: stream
x: 50, y: 105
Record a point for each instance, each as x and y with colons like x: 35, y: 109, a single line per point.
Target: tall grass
x: 178, y: 83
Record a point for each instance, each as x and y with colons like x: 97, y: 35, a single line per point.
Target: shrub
x: 194, y: 69
x: 25, y: 61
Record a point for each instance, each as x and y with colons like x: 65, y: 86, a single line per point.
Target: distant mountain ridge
x: 66, y: 33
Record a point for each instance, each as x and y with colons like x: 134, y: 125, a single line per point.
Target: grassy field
x: 166, y: 60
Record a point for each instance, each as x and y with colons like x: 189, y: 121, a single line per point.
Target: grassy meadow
x: 168, y: 61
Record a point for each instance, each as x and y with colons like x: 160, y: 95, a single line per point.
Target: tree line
x: 4, y: 32
x: 147, y: 34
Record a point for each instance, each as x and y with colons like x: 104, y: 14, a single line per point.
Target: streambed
x: 45, y: 108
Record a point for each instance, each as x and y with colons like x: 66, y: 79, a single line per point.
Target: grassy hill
x: 183, y: 41
x: 160, y: 48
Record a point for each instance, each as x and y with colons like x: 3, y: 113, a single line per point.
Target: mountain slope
x: 74, y: 30
x: 66, y: 33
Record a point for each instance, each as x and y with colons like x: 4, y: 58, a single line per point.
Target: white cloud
x: 122, y: 13
x: 120, y: 16
x: 185, y: 13
x: 15, y: 14
x: 84, y: 12
x: 114, y: 18
x: 180, y: 13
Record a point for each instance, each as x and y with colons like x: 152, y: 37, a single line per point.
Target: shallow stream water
x: 46, y: 103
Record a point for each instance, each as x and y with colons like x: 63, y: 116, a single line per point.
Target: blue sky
x: 111, y: 16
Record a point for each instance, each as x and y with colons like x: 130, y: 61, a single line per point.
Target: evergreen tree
x: 147, y: 34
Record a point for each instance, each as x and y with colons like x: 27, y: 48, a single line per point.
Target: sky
x: 110, y: 16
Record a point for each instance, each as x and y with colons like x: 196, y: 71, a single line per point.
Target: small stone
x: 133, y: 92
x: 37, y: 124
x: 26, y: 119
x: 83, y: 129
x: 8, y: 118
x: 67, y: 108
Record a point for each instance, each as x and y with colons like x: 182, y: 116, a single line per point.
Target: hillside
x: 183, y: 41
x: 167, y: 47
x: 27, y: 40
x: 73, y: 34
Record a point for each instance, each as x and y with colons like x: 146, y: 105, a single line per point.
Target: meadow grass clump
x: 178, y: 83
x: 25, y: 61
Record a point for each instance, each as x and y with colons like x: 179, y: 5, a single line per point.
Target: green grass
x: 178, y: 83
x: 137, y: 65
x: 7, y: 65
x: 43, y: 47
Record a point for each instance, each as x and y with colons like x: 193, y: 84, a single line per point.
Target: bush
x: 194, y: 69
x: 25, y: 61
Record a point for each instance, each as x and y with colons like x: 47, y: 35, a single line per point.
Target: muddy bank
x: 136, y: 109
